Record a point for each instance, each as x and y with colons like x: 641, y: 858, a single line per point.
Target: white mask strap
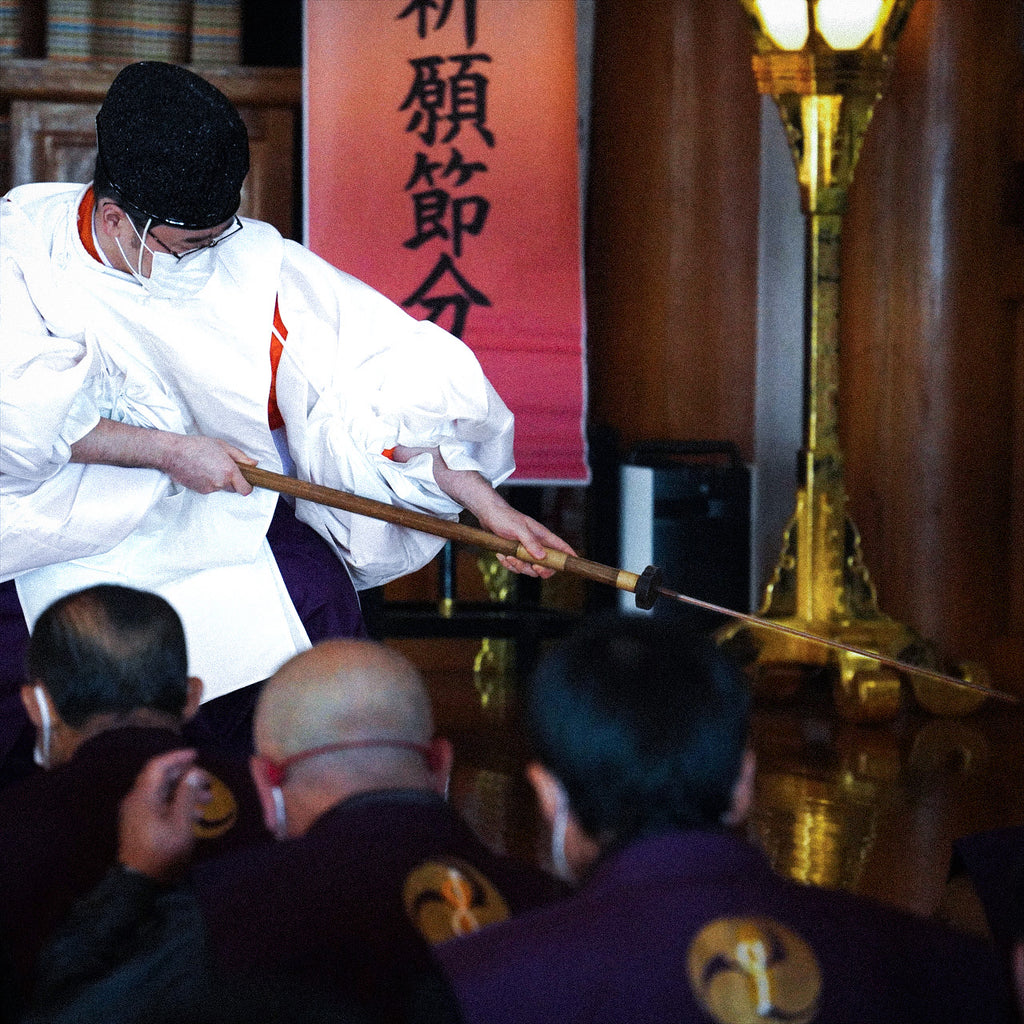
x: 280, y: 817
x: 41, y: 753
x: 559, y: 861
x: 137, y: 272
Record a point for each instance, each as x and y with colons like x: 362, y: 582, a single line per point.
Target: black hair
x: 110, y: 649
x: 644, y: 724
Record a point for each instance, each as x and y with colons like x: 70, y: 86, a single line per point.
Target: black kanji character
x: 421, y: 8
x: 428, y: 93
x: 459, y: 302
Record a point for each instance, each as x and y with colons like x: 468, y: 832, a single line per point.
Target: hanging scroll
x: 442, y: 168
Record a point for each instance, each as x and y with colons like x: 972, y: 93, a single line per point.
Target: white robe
x: 80, y: 341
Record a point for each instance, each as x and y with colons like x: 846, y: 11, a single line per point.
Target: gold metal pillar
x: 820, y: 584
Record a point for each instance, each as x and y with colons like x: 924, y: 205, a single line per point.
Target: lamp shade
x: 847, y: 24
x: 786, y: 22
x: 838, y: 25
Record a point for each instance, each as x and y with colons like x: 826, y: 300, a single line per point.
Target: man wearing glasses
x: 151, y: 340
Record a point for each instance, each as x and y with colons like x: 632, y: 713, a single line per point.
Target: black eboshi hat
x: 172, y: 145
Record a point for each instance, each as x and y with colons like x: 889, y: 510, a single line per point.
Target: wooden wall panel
x: 930, y: 350
x: 671, y: 244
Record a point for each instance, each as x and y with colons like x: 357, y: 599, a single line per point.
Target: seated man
x: 640, y: 736
x: 109, y: 689
x: 373, y: 866
x: 133, y: 938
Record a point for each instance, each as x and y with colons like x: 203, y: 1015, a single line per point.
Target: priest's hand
x: 495, y: 514
x: 206, y: 464
x: 499, y: 517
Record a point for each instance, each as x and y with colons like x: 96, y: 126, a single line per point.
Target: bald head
x: 342, y: 691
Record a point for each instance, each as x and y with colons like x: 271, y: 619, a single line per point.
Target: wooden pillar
x: 931, y: 398
x: 671, y: 227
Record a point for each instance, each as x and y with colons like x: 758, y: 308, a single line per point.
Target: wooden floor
x: 872, y: 808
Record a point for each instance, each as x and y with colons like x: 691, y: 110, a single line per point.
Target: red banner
x: 442, y: 169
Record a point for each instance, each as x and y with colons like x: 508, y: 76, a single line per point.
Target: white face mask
x: 170, y: 278
x: 41, y: 753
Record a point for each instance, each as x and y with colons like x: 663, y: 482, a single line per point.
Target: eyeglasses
x: 277, y: 771
x: 179, y: 256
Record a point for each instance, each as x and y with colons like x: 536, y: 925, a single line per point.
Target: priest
x: 151, y: 339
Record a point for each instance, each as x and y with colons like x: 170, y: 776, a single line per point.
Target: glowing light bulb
x: 846, y: 24
x: 786, y: 22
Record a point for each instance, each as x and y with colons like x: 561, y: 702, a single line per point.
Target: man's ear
x: 109, y: 216
x: 28, y: 698
x: 193, y: 698
x: 549, y: 791
x: 579, y: 849
x: 32, y: 709
x: 742, y: 790
x: 440, y: 758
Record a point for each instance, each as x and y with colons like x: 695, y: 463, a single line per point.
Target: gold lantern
x: 826, y: 64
